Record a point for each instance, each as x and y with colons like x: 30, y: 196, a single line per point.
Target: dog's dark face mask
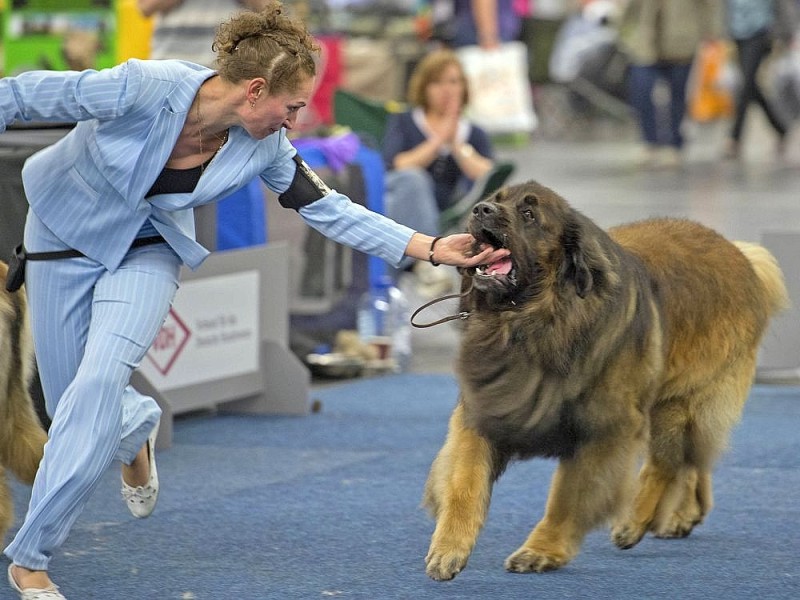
x: 544, y: 236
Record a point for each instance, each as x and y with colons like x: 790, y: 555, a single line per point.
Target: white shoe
x: 141, y: 500
x: 50, y: 593
x: 644, y: 156
x: 669, y: 157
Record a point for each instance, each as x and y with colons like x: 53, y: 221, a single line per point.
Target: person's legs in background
x: 409, y: 199
x: 751, y: 53
x: 641, y: 83
x: 678, y: 76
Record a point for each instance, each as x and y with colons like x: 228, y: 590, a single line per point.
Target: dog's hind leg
x: 6, y: 505
x: 703, y: 438
x: 684, y: 505
x: 22, y: 437
x: 687, y: 436
x: 654, y: 481
x: 457, y: 494
x: 587, y: 491
x: 660, y: 488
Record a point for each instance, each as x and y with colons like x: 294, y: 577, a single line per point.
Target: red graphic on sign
x: 170, y: 341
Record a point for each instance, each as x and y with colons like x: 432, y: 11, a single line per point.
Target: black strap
x: 72, y: 253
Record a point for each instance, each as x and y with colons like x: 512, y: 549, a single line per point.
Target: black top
x: 177, y: 181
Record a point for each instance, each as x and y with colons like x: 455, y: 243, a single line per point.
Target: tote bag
x: 500, y: 93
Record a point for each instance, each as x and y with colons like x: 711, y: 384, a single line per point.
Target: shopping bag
x: 499, y: 89
x: 781, y: 75
x: 713, y: 83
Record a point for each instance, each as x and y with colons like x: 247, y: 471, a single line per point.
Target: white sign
x: 210, y: 333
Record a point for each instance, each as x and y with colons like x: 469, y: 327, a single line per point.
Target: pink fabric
x: 524, y: 8
x: 328, y: 78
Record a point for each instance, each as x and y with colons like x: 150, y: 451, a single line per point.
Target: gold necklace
x: 201, y: 125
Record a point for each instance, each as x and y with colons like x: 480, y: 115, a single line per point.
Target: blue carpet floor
x: 328, y: 505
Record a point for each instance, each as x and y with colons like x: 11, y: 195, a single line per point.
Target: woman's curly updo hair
x: 265, y: 44
x: 430, y: 69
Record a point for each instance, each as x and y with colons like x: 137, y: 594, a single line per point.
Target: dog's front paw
x: 626, y: 536
x: 526, y: 560
x: 444, y: 564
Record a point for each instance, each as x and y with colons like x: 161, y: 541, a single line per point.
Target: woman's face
x: 446, y: 89
x: 272, y: 112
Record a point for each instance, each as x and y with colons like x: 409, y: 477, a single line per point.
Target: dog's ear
x: 576, y: 266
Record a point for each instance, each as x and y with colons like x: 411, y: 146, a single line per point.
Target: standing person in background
x: 184, y: 29
x: 486, y: 23
x: 660, y: 38
x: 113, y: 199
x: 432, y: 153
x: 754, y: 25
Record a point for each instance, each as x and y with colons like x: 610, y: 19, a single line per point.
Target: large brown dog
x: 601, y: 350
x: 22, y: 437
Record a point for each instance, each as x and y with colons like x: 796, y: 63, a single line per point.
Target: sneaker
x: 141, y: 500
x: 732, y: 150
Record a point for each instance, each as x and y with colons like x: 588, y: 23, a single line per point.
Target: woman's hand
x: 457, y: 250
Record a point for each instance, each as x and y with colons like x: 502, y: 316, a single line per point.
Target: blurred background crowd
x: 422, y: 107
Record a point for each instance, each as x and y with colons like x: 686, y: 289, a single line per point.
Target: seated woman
x: 433, y: 154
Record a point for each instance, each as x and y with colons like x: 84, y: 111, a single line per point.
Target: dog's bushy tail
x: 769, y: 273
x: 22, y: 436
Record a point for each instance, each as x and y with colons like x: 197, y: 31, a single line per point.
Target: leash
x: 463, y: 315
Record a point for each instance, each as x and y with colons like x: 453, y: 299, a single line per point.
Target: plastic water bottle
x: 400, y: 311
x: 383, y: 322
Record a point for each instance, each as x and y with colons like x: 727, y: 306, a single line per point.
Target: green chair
x: 364, y: 116
x: 454, y: 218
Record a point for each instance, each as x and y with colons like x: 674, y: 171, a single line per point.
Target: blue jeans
x: 658, y: 129
x: 409, y: 199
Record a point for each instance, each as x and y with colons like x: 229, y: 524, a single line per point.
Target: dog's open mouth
x: 499, y: 269
x: 500, y: 273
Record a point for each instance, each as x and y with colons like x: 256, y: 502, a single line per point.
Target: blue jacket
x: 89, y: 187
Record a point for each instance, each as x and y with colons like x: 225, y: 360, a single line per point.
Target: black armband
x: 306, y: 187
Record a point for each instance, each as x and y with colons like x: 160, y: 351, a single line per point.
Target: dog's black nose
x: 484, y: 209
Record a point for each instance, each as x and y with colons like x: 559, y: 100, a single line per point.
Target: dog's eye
x: 528, y: 214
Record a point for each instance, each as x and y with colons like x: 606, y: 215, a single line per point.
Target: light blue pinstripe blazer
x: 89, y: 187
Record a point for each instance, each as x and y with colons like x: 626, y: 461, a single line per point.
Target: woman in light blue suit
x: 113, y: 199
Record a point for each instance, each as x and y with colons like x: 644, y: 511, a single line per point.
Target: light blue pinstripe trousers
x: 91, y: 330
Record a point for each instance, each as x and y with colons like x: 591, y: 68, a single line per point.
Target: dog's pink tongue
x: 501, y: 267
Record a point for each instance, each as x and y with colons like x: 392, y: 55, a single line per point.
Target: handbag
x: 713, y: 81
x: 499, y: 89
